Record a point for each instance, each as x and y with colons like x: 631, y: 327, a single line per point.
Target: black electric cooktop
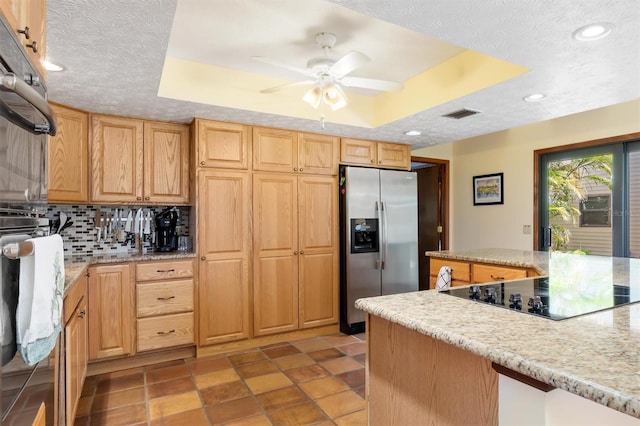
x: 535, y: 296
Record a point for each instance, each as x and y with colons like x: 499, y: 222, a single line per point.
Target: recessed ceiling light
x: 50, y: 66
x: 535, y: 97
x: 593, y: 31
x: 413, y: 133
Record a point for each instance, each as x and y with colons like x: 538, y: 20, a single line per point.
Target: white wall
x: 511, y: 152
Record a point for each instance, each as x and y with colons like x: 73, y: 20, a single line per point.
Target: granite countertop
x: 75, y: 266
x: 595, y: 356
x: 538, y: 260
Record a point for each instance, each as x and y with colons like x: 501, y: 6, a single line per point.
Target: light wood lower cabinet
x: 465, y: 273
x: 295, y: 278
x: 76, y: 346
x: 164, y: 304
x: 224, y: 247
x: 111, y: 311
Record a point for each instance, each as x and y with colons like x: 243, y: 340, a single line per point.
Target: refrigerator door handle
x: 383, y: 251
x: 380, y: 260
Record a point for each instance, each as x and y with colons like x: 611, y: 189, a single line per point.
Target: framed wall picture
x: 488, y: 189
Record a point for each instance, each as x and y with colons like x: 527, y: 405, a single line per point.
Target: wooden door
x: 318, y: 237
x: 69, y: 158
x: 111, y: 313
x: 76, y: 358
x: 394, y: 155
x: 357, y: 151
x: 224, y: 248
x: 275, y: 242
x: 166, y: 163
x: 318, y: 154
x: 224, y: 145
x: 275, y: 150
x: 117, y: 159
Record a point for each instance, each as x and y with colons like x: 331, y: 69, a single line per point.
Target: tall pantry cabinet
x: 295, y: 234
x: 267, y: 230
x: 223, y: 205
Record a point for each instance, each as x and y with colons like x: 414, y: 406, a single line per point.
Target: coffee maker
x: 166, y: 238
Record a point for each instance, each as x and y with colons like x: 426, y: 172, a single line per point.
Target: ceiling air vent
x: 461, y: 113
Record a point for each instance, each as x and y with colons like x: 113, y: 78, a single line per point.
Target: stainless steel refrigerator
x: 379, y: 238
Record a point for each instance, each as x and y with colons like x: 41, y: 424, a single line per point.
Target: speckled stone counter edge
x: 74, y: 267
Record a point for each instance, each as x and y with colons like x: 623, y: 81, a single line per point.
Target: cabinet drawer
x: 153, y: 271
x: 488, y: 273
x: 459, y: 270
x: 162, y: 298
x: 165, y: 331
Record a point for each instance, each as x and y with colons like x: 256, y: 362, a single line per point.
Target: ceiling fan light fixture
x: 313, y: 96
x: 334, y: 96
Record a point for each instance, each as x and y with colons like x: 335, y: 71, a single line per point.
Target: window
x: 594, y: 210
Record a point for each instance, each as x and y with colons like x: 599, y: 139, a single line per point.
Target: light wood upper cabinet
x: 134, y: 161
x: 375, y: 154
x: 224, y: 246
x: 111, y: 311
x: 117, y: 159
x: 277, y: 150
x: 69, y: 157
x: 318, y: 154
x: 27, y: 18
x: 166, y: 163
x: 224, y: 145
x: 394, y: 155
x: 359, y: 152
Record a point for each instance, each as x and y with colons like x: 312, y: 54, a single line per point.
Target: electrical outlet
x: 526, y: 229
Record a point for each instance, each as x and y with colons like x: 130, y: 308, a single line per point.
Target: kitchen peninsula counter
x: 595, y: 356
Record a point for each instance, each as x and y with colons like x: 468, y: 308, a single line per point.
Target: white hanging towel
x: 443, y: 282
x: 39, y: 309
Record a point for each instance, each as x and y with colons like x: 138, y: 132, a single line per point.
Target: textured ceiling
x: 115, y: 50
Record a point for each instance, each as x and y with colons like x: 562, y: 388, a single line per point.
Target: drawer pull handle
x: 497, y: 277
x: 81, y: 314
x: 166, y: 298
x: 165, y: 270
x: 165, y: 332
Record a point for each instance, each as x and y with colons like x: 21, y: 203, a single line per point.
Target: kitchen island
x: 432, y: 358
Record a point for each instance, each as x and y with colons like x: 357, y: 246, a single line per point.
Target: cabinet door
x: 318, y: 237
x: 394, y: 155
x: 116, y: 159
x: 68, y: 157
x: 166, y: 163
x: 111, y: 312
x: 32, y: 14
x: 275, y: 150
x: 275, y: 242
x: 224, y: 246
x: 356, y: 151
x: 224, y: 145
x: 318, y: 154
x: 75, y: 358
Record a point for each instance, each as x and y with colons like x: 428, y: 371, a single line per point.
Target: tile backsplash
x: 80, y: 239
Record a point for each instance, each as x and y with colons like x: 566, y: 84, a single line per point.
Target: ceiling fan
x: 328, y: 75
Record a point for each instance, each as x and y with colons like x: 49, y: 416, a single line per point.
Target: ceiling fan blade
x: 277, y: 63
x: 370, y: 83
x: 348, y: 63
x: 286, y: 86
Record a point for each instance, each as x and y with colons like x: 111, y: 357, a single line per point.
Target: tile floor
x: 312, y: 381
